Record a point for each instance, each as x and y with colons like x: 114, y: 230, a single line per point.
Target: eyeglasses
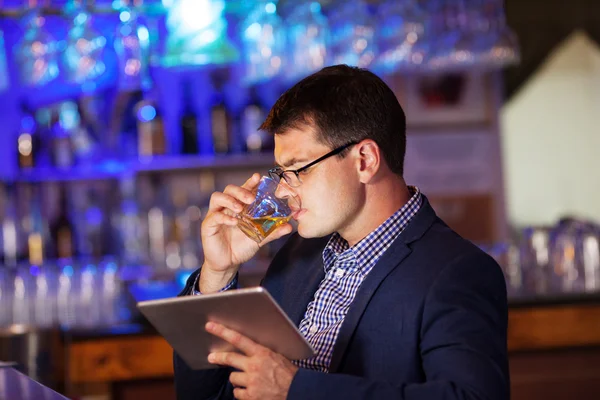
x: 292, y: 177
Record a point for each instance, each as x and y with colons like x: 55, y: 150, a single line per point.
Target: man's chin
x: 307, y: 233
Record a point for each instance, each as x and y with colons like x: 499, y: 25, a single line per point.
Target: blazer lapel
x: 295, y: 275
x: 304, y: 290
x: 390, y: 260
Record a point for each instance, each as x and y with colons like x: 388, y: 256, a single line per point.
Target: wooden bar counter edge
x: 147, y: 356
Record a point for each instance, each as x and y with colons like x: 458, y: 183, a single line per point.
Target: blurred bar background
x: 120, y: 118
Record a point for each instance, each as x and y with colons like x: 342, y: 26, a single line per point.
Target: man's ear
x: 368, y: 159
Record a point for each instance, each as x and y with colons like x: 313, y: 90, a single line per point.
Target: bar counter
x: 554, y: 346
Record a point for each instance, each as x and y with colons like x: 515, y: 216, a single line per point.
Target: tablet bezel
x: 250, y: 311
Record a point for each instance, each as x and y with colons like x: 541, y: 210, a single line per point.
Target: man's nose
x: 283, y: 190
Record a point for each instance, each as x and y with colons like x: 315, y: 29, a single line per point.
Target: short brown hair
x: 344, y: 104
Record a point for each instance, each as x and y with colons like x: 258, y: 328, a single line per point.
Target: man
x: 396, y: 304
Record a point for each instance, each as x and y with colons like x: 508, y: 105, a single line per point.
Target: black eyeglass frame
x: 280, y: 172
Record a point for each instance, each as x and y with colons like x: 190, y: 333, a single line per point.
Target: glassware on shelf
x: 6, y: 296
x: 263, y: 41
x: 23, y: 297
x: 4, y: 78
x: 402, y: 37
x: 27, y: 140
x: 37, y: 52
x: 534, y: 251
x: 132, y: 41
x: 444, y: 54
x: 83, y: 56
x: 45, y: 307
x: 197, y: 34
x: 66, y: 292
x: 505, y: 48
x: 308, y: 34
x: 575, y: 256
x: 352, y: 39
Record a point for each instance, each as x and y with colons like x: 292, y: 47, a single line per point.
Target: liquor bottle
x: 129, y: 227
x: 27, y: 143
x: 221, y: 125
x: 35, y: 234
x: 61, y: 229
x: 62, y: 149
x: 253, y: 116
x: 189, y: 122
x: 158, y: 221
x: 94, y: 224
x: 83, y: 144
x: 10, y: 237
x: 150, y: 127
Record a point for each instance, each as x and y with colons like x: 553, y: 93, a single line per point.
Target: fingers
x: 252, y: 182
x: 219, y: 218
x: 239, y: 341
x: 240, y: 394
x: 220, y: 201
x: 229, y: 359
x: 239, y: 379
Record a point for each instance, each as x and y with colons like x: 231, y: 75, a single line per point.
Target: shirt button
x: 313, y: 329
x: 339, y: 273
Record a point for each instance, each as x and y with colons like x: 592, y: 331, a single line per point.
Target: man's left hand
x: 263, y: 374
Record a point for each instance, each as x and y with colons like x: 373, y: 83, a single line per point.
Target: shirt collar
x: 387, y: 232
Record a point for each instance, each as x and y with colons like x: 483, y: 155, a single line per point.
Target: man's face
x: 330, y: 195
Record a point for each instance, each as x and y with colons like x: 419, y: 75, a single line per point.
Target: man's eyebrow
x: 292, y: 161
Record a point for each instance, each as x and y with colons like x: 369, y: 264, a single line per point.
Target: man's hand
x: 264, y: 374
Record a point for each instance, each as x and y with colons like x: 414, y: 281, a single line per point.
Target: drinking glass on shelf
x: 590, y: 254
x: 84, y: 52
x: 505, y: 47
x: 401, y: 36
x: 352, y: 39
x: 573, y: 255
x: 132, y: 48
x: 66, y: 295
x: 308, y: 33
x: 45, y: 280
x: 507, y: 255
x: 444, y: 52
x: 37, y: 52
x: 23, y: 295
x: 535, y: 260
x: 6, y: 296
x: 4, y: 78
x: 263, y: 41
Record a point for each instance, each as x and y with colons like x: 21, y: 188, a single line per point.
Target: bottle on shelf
x: 189, y: 121
x: 177, y: 228
x: 62, y: 229
x: 10, y: 238
x: 254, y: 114
x: 93, y: 225
x: 221, y: 125
x: 27, y: 143
x: 150, y: 127
x: 35, y: 226
x: 158, y: 221
x: 62, y: 148
x: 128, y: 225
x: 83, y: 144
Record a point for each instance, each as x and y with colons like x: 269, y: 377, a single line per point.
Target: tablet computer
x: 252, y: 312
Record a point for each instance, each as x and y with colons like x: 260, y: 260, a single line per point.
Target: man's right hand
x: 225, y: 245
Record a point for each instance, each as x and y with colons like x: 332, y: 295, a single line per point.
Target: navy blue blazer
x: 428, y: 322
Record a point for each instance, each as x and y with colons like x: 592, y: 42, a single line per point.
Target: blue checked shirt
x: 345, y: 269
x: 230, y: 285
